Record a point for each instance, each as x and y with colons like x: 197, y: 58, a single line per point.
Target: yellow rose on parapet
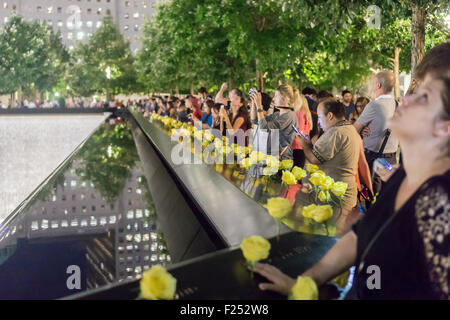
x: 317, y: 179
x: 305, y: 289
x: 279, y: 207
x: 311, y: 168
x: 198, y: 135
x: 240, y: 150
x: 286, y: 164
x: 288, y: 178
x: 219, y: 168
x: 246, y: 163
x: 324, y: 196
x: 269, y: 171
x: 339, y: 188
x: 299, y: 173
x: 208, y: 136
x: 327, y: 183
x: 307, y: 210
x: 218, y: 143
x: 157, y: 283
x: 342, y: 279
x: 255, y: 248
x: 226, y: 149
x: 318, y: 213
x: 272, y: 162
x: 257, y: 156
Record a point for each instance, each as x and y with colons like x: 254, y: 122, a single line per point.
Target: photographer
x: 287, y: 100
x: 240, y: 119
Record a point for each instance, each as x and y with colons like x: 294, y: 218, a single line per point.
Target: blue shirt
x: 208, y: 121
x: 349, y: 110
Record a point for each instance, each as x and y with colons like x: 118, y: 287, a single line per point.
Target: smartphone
x: 381, y: 163
x: 251, y: 92
x: 296, y: 130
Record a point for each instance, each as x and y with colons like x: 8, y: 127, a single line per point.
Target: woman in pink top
x: 305, y: 124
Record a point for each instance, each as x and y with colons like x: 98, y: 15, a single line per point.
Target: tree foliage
x: 323, y: 44
x: 32, y: 56
x: 105, y: 49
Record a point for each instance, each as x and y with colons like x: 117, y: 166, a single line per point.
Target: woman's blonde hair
x: 305, y: 108
x: 297, y: 101
x: 291, y: 94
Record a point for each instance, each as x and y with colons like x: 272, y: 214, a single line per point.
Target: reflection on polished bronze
x: 261, y: 187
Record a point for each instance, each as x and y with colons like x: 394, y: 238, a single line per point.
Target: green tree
x: 32, y: 58
x: 104, y: 64
x: 303, y: 42
x: 107, y: 159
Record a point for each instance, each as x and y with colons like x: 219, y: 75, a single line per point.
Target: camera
x: 252, y: 92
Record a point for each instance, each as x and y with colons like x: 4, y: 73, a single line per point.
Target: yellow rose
x: 327, y: 184
x: 286, y: 164
x: 318, y: 213
x: 226, y: 149
x: 323, y: 213
x: 317, y: 179
x: 209, y: 136
x: 268, y: 171
x: 308, y: 209
x: 240, y: 150
x: 311, y: 168
x: 257, y: 156
x: 279, y: 207
x: 342, y: 279
x: 246, y: 163
x: 198, y: 135
x: 255, y: 248
x: 288, y: 178
x: 218, y: 143
x: 248, y: 150
x: 339, y: 188
x: 299, y: 173
x: 324, y: 196
x: 219, y: 168
x: 157, y: 283
x: 305, y: 289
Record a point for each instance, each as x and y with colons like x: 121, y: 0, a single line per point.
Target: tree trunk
x: 417, y: 35
x: 192, y: 89
x: 300, y: 83
x: 259, y: 77
x: 19, y: 95
x: 395, y: 62
x: 177, y: 91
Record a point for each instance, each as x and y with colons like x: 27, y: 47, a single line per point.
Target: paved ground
x: 31, y: 147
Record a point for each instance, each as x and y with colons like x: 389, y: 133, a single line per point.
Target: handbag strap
x: 387, y: 133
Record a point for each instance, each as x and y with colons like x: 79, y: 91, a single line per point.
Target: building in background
x: 77, y: 20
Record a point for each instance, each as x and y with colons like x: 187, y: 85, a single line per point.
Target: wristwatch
x: 260, y: 110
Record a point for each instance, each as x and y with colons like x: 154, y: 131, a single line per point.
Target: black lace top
x: 411, y: 253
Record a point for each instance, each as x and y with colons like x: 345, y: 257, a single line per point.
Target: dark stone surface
x: 227, y: 210
x: 186, y: 238
x: 223, y: 275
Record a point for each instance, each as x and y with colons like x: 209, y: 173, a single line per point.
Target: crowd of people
x: 71, y: 103
x: 326, y: 123
x: 396, y: 149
